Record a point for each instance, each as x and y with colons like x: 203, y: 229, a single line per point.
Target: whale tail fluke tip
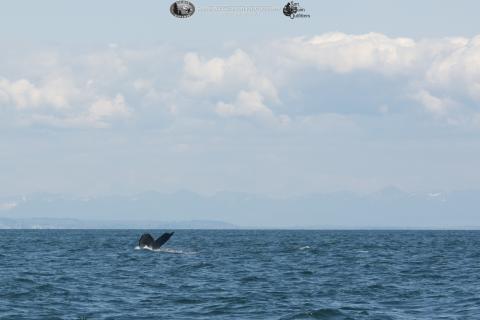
x: 162, y: 239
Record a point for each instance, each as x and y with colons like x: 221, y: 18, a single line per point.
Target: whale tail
x: 146, y: 240
x: 162, y: 239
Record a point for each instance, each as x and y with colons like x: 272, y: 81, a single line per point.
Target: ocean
x: 240, y: 274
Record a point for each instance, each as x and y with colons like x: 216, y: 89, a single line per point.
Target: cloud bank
x: 105, y: 87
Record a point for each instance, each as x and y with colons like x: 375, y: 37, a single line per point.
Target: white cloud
x: 250, y: 104
x: 200, y: 75
x: 247, y: 103
x: 60, y: 97
x: 435, y: 105
x: 234, y: 73
x: 345, y: 53
x: 107, y: 108
x: 459, y: 71
x: 99, y: 115
x: 23, y: 94
x: 442, y: 76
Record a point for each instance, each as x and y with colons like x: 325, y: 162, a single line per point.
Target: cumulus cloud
x: 248, y: 103
x: 440, y: 76
x: 98, y: 115
x: 374, y: 52
x: 458, y: 71
x: 435, y: 105
x: 65, y: 92
x: 234, y: 73
x: 345, y: 53
x: 105, y: 108
x: 23, y: 94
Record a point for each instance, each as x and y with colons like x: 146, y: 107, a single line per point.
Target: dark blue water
x: 98, y: 274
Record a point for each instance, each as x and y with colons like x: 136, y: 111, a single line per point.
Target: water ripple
x: 240, y: 275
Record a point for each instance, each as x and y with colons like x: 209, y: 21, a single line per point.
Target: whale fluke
x: 162, y: 239
x: 146, y: 240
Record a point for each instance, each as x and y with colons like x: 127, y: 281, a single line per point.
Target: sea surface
x: 256, y: 274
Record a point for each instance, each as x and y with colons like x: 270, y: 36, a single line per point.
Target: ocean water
x: 99, y: 274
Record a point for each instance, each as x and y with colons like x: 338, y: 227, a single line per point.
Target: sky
x: 120, y: 97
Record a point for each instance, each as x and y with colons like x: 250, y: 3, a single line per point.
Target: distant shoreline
x: 8, y: 223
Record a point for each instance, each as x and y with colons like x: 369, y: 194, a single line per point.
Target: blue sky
x: 121, y: 97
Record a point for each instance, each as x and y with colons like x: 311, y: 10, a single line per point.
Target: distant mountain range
x: 389, y: 208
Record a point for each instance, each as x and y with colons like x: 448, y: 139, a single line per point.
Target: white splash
x: 166, y: 250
